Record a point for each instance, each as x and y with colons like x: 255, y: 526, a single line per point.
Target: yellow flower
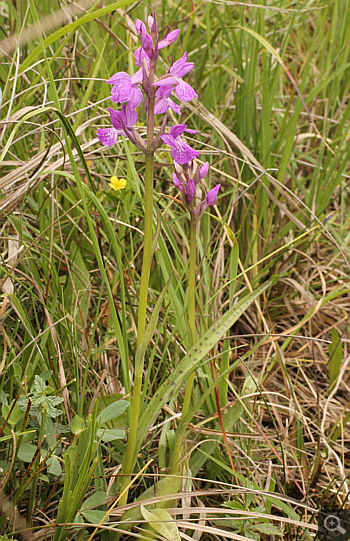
x: 117, y: 183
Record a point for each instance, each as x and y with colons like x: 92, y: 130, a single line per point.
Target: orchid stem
x: 180, y: 433
x: 131, y: 451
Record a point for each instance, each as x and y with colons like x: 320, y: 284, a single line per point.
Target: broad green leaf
x: 46, y: 375
x: 335, y: 350
x: 54, y: 466
x: 193, y: 358
x: 26, y: 452
x: 110, y: 434
x: 3, y: 397
x: 95, y: 500
x: 16, y: 414
x: 112, y: 411
x: 167, y: 486
x: 77, y: 425
x: 162, y: 522
x: 94, y: 516
x: 18, y: 371
x: 266, y: 528
x: 284, y: 506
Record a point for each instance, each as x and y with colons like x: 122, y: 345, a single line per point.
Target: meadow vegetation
x: 254, y: 321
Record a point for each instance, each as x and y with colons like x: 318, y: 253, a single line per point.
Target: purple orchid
x: 181, y: 152
x: 163, y: 101
x: 141, y: 57
x: 109, y: 136
x: 204, y: 170
x: 212, y: 196
x: 177, y: 182
x: 183, y: 90
x: 190, y: 191
x: 168, y: 39
x: 125, y: 88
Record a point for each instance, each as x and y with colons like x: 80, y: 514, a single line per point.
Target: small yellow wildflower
x: 117, y: 183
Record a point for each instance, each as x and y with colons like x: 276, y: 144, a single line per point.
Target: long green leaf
x: 193, y: 357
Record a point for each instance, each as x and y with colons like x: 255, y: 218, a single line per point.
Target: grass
x: 71, y: 266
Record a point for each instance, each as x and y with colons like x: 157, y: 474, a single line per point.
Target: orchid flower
x: 125, y: 88
x: 183, y: 90
x: 181, y: 152
x: 109, y: 136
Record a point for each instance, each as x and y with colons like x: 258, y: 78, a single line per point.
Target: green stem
x: 131, y: 451
x: 180, y: 433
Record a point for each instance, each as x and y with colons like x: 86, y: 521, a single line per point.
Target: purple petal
x: 178, y: 129
x: 108, y: 136
x: 174, y: 106
x: 185, y: 92
x: 181, y: 67
x: 139, y: 56
x: 204, y: 170
x: 168, y: 140
x: 136, y: 97
x: 163, y: 92
x: 190, y: 191
x: 169, y: 39
x: 151, y: 21
x: 115, y: 97
x: 115, y: 94
x: 168, y: 80
x: 136, y: 79
x: 177, y: 182
x: 212, y: 196
x: 183, y: 153
x: 119, y: 78
x: 147, y: 44
x: 161, y: 106
x: 129, y: 116
x: 116, y: 118
x: 125, y: 92
x: 140, y: 27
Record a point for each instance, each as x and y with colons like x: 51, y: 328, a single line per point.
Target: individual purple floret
x: 125, y: 88
x: 190, y: 191
x: 168, y: 39
x: 183, y: 90
x: 177, y: 182
x: 181, y: 152
x: 204, y: 170
x: 212, y: 196
x: 109, y: 136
